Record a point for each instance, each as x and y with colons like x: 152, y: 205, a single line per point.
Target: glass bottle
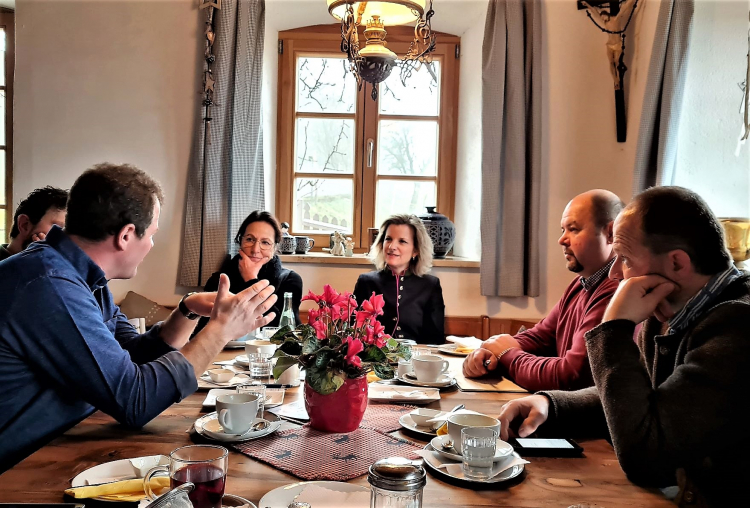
x: 287, y: 315
x: 396, y: 482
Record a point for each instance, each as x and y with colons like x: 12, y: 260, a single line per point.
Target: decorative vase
x: 441, y: 230
x: 340, y: 411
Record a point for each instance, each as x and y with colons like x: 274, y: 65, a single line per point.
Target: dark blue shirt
x: 67, y: 350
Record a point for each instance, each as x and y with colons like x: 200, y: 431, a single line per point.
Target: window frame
x: 7, y: 23
x: 324, y: 40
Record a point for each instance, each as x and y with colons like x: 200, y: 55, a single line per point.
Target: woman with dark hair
x: 258, y: 238
x: 414, y: 307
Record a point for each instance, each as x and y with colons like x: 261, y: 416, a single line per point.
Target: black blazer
x: 421, y: 315
x: 284, y: 280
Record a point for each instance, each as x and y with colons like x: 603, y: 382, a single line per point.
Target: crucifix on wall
x: 613, y: 18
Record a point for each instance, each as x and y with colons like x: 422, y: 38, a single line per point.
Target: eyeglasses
x: 250, y: 241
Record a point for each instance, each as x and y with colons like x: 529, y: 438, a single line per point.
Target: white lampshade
x: 391, y: 12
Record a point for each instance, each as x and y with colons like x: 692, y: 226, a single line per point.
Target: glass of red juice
x: 205, y: 466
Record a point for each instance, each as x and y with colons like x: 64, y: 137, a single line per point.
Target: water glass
x: 478, y: 446
x: 260, y: 391
x: 260, y: 365
x: 419, y: 350
x: 269, y: 331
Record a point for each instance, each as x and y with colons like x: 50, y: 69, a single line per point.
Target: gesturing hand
x: 249, y: 269
x: 474, y: 364
x: 532, y: 411
x: 201, y: 303
x: 638, y: 298
x: 242, y: 313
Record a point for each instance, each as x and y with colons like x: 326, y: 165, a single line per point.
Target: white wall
x: 709, y: 160
x: 117, y: 80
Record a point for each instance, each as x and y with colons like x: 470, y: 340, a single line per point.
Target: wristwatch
x: 184, y: 308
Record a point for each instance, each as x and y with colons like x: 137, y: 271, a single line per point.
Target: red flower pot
x: 340, y: 411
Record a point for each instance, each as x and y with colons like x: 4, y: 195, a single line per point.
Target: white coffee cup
x: 428, y: 368
x: 289, y: 377
x: 457, y: 422
x: 236, y: 411
x: 259, y: 346
x: 404, y: 367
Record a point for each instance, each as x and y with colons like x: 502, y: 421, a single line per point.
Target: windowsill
x: 361, y: 259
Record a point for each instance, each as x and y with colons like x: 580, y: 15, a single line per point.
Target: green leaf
x: 291, y: 347
x: 383, y: 370
x: 283, y: 363
x: 372, y: 353
x: 310, y: 345
x: 325, y: 382
x: 280, y: 334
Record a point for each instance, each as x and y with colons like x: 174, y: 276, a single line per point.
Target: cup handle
x: 222, y: 416
x: 147, y: 480
x: 446, y: 366
x: 313, y: 244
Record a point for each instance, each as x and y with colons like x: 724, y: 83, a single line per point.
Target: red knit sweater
x: 553, y: 353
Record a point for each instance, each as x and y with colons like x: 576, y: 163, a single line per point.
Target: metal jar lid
x: 397, y: 474
x: 178, y: 493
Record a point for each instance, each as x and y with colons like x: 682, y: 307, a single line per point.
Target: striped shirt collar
x: 590, y: 283
x: 700, y: 302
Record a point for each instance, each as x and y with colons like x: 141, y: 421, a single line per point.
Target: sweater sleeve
x: 570, y: 371
x: 657, y: 428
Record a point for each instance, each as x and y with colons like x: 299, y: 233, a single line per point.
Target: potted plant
x: 339, y: 345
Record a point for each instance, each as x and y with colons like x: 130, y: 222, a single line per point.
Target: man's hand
x: 242, y: 313
x: 499, y: 343
x: 249, y: 269
x: 474, y: 364
x: 201, y: 303
x: 530, y: 411
x: 637, y: 298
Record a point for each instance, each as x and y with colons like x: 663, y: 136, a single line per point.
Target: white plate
x: 393, y: 393
x: 114, y: 471
x: 282, y: 497
x: 242, y: 360
x: 407, y: 423
x: 444, y: 381
x: 200, y: 428
x: 503, y: 449
x: 235, y: 344
x: 502, y: 477
x: 206, y: 382
x: 451, y: 350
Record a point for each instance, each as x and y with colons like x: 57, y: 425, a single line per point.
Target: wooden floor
x: 594, y: 480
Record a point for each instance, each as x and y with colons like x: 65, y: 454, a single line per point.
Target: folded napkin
x: 456, y: 470
x: 468, y: 343
x: 125, y: 490
x: 322, y: 496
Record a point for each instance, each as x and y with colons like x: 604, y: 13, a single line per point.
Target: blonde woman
x: 414, y: 307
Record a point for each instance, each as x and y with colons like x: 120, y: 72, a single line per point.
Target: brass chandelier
x: 374, y: 62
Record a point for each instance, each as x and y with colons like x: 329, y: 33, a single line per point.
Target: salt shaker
x: 396, y: 483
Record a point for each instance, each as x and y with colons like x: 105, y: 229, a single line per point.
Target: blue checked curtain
x: 231, y: 186
x: 656, y: 153
x: 511, y: 148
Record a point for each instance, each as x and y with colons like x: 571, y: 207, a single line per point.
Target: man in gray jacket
x: 672, y: 404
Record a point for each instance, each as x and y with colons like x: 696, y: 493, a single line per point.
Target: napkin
x: 396, y: 394
x: 469, y: 343
x: 455, y: 469
x: 125, y: 490
x: 322, y: 496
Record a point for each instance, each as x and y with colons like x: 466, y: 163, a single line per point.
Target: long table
x: 594, y: 480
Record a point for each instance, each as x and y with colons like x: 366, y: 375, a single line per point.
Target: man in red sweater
x: 552, y: 354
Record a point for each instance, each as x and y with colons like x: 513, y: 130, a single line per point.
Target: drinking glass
x: 260, y: 365
x: 478, y: 450
x: 419, y: 350
x: 260, y: 391
x: 205, y: 466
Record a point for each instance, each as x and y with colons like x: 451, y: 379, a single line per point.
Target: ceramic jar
x: 441, y: 230
x: 288, y: 245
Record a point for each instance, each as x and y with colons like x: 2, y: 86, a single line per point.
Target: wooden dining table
x: 594, y: 480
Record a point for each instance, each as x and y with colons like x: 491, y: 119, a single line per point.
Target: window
x: 346, y: 162
x: 6, y: 122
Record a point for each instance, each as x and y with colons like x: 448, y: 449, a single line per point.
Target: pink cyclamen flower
x: 354, y: 347
x: 312, y: 316
x: 311, y: 296
x: 374, y: 306
x: 320, y: 329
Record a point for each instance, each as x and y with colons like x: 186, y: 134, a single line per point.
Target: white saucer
x: 242, y: 360
x: 208, y: 427
x: 282, y: 497
x: 207, y: 382
x: 502, y: 477
x: 443, y: 381
x: 407, y: 423
x: 503, y: 449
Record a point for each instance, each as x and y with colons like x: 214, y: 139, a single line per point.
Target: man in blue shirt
x: 66, y: 350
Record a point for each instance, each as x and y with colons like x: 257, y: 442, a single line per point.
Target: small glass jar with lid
x: 396, y: 482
